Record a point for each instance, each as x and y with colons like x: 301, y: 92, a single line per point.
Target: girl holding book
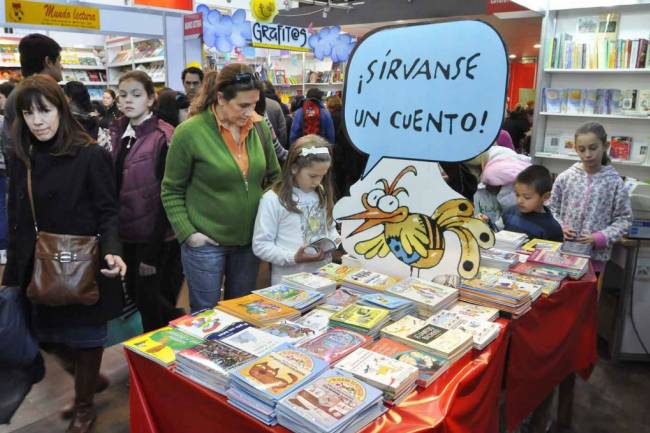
x: 589, y: 199
x: 297, y: 211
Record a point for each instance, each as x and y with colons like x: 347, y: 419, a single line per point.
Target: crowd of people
x: 205, y: 184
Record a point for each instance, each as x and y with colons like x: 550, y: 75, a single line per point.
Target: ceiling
x: 519, y: 35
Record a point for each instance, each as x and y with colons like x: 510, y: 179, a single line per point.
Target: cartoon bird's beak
x: 372, y: 217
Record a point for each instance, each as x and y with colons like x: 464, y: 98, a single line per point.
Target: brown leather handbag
x: 64, y: 266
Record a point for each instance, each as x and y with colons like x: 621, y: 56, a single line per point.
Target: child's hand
x: 302, y: 257
x: 483, y: 217
x: 569, y: 234
x: 586, y: 239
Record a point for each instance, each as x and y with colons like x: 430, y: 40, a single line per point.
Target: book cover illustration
x: 554, y: 258
x: 620, y: 147
x: 203, y: 323
x: 290, y: 331
x: 361, y: 316
x: 427, y: 364
x: 278, y: 372
x: 403, y: 327
x: 541, y: 244
x: 377, y: 368
x: 315, y: 282
x: 335, y: 271
x: 474, y: 311
x: 257, y: 308
x: 335, y: 344
x: 426, y: 334
x: 366, y: 278
x: 448, y: 342
x: 385, y: 301
x: 421, y: 291
x: 445, y: 319
x: 216, y: 355
x: 162, y: 344
x: 286, y: 295
x: 253, y: 340
x: 317, y: 319
x: 338, y: 300
x: 532, y: 270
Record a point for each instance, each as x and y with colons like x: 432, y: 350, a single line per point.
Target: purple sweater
x: 592, y: 203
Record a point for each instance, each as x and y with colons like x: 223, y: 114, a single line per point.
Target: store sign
x: 193, y: 25
x: 280, y: 37
x: 185, y: 5
x: 500, y: 6
x: 51, y: 14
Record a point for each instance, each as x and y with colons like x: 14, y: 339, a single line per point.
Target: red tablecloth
x: 464, y: 399
x: 556, y: 338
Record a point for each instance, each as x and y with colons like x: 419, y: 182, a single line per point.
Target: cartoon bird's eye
x: 388, y: 203
x: 374, y: 196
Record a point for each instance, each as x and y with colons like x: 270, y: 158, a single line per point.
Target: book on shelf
x: 161, y: 345
x: 335, y: 344
x: 620, y: 147
x: 334, y: 402
x: 628, y: 100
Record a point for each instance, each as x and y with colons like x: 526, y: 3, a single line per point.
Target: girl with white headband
x: 294, y: 229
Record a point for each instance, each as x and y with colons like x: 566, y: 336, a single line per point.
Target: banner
x: 185, y: 5
x: 51, y: 14
x: 280, y: 37
x: 193, y: 25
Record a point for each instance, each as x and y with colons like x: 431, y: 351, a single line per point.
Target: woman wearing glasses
x: 216, y: 171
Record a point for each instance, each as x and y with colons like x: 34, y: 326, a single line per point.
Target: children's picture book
x: 204, y: 323
x: 291, y: 332
x: 474, y: 311
x: 339, y: 299
x: 253, y: 340
x: 304, y: 280
x: 162, y: 344
x: 541, y: 244
x: 379, y: 370
x: 432, y: 295
x: 336, y: 272
x: 335, y: 344
x: 290, y: 296
x: 317, y: 319
x: 385, y: 301
x: 554, y: 258
x: 366, y: 279
x: 553, y: 100
x: 214, y: 356
x: 360, y: 316
x: 643, y: 101
x: 574, y: 101
x: 257, y: 310
x: 555, y: 274
x: 620, y: 147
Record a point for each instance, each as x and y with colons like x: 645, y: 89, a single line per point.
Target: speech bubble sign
x: 433, y: 92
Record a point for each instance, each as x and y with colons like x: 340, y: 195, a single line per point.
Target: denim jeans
x: 206, y: 266
x: 4, y: 239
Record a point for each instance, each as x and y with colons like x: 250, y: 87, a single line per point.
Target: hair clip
x: 306, y: 151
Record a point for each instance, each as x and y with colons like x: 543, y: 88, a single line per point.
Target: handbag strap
x: 31, y: 196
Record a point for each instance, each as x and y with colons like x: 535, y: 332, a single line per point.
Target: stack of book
x: 258, y: 310
x: 576, y: 267
x: 473, y: 311
x: 448, y: 344
x: 429, y: 366
x: 335, y: 344
x: 291, y: 332
x: 361, y: 318
x: 300, y: 299
x: 205, y: 324
x: 209, y: 364
x: 304, y: 280
x: 537, y: 271
x: 318, y: 320
x: 509, y: 241
x: 512, y: 301
x: 335, y: 402
x: 366, y: 281
x: 488, y: 278
x: 482, y: 332
x: 496, y: 258
x: 396, y: 378
x: 427, y: 296
x: 338, y: 300
x: 540, y: 244
x: 336, y: 272
x: 398, y: 307
x: 351, y: 261
x: 161, y: 345
x: 257, y: 386
x: 253, y: 340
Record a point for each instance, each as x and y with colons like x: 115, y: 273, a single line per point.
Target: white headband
x: 306, y: 151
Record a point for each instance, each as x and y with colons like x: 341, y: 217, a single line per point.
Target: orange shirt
x: 237, y: 149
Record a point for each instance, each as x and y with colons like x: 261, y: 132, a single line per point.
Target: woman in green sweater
x: 216, y: 171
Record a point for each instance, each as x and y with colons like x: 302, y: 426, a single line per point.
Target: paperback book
x: 361, y: 318
x: 429, y: 297
x: 300, y: 299
x: 258, y: 310
x: 335, y: 344
x: 367, y: 281
x: 161, y: 345
x: 304, y: 280
x: 204, y: 323
x: 254, y: 341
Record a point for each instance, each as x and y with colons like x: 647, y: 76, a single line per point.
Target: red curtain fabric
x: 463, y: 399
x: 556, y: 338
x: 522, y: 76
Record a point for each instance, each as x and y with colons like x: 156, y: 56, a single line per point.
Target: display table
x: 463, y: 399
x: 548, y: 344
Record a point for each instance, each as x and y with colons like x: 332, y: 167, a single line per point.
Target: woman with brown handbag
x: 63, y: 214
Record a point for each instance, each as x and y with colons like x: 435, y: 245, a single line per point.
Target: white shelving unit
x: 126, y: 54
x: 633, y: 24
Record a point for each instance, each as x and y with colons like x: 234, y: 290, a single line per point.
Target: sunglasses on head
x: 242, y: 78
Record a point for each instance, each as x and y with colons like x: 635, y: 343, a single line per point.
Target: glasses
x: 242, y: 78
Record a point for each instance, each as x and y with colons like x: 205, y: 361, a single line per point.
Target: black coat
x: 73, y: 194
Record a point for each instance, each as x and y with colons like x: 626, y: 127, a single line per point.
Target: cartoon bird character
x: 416, y: 239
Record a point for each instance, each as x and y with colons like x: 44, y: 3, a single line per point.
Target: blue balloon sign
x: 433, y: 92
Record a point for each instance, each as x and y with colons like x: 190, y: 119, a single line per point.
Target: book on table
x: 161, y: 345
x: 258, y: 310
x: 396, y: 378
x: 334, y: 402
x: 336, y: 272
x: 304, y: 280
x: 253, y: 340
x: 488, y: 278
x: 397, y: 306
x: 361, y: 318
x: 428, y: 296
x: 429, y: 366
x: 202, y: 324
x: 367, y: 281
x: 473, y: 311
x: 541, y: 244
x: 335, y: 344
x: 317, y: 319
x: 291, y: 332
x: 339, y: 299
x: 483, y: 332
x: 300, y: 299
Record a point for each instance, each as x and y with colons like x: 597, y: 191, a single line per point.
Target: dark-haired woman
x: 82, y: 109
x: 109, y: 99
x: 139, y: 141
x: 73, y: 194
x: 217, y: 167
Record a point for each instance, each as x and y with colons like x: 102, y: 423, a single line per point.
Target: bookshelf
x: 130, y: 53
x: 550, y: 124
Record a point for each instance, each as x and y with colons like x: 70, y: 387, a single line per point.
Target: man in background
x: 192, y: 79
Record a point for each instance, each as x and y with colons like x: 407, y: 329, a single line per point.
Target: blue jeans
x: 4, y: 240
x: 206, y: 266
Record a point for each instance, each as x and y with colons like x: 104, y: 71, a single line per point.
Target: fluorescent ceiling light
x: 537, y: 46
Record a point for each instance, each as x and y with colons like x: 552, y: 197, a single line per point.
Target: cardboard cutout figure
x: 403, y: 223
